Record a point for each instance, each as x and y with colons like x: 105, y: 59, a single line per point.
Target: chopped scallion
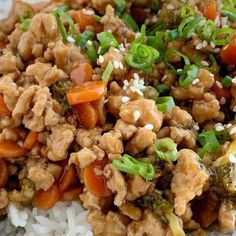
x: 173, y: 34
x: 155, y: 5
x: 229, y: 11
x: 165, y: 104
x: 24, y: 26
x: 216, y: 37
x: 132, y: 166
x: 163, y: 88
x: 92, y: 52
x: 130, y: 22
x: 227, y: 81
x: 186, y: 79
x: 82, y: 39
x: 222, y: 136
x: 121, y: 5
x: 166, y: 149
x: 107, y: 72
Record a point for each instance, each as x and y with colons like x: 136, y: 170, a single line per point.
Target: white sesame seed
x: 204, y: 63
x: 99, y: 50
x: 199, y: 46
x: 116, y: 64
x: 195, y: 81
x: 139, y: 92
x: 224, y: 21
x: 88, y: 12
x: 109, y: 31
x: 136, y: 76
x: 125, y: 87
x: 137, y: 34
x: 234, y: 108
x: 217, y: 50
x: 133, y: 89
x: 228, y: 125
x: 217, y: 21
x: 125, y: 99
x: 149, y: 126
x: 196, y: 126
x: 234, y: 80
x: 222, y: 101
x: 106, y: 100
x: 136, y: 115
x: 179, y: 70
x: 232, y: 158
x: 232, y: 131
x: 212, y: 44
x: 89, y: 42
x: 116, y: 50
x: 219, y: 128
x: 154, y: 19
x: 122, y: 47
x: 218, y: 124
x: 219, y: 85
x: 164, y: 78
x: 204, y: 43
x: 141, y: 82
x: 121, y: 65
x: 70, y: 39
x: 100, y: 59
x: 170, y: 7
x: 126, y: 82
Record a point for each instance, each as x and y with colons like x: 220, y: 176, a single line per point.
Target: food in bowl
x: 127, y: 106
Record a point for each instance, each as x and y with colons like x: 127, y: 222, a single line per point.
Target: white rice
x: 64, y: 219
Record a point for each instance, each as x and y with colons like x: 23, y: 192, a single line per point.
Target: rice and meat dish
x: 127, y: 106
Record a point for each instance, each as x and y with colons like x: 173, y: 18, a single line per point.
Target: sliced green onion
x: 227, y: 81
x: 155, y: 28
x: 218, y: 32
x: 209, y: 143
x: 222, y: 136
x: 97, y: 18
x: 121, y: 5
x: 173, y: 34
x: 130, y: 22
x: 192, y: 73
x: 107, y: 72
x: 166, y: 149
x: 213, y: 66
x: 141, y: 57
x: 207, y: 30
x: 229, y: 11
x: 163, y: 88
x: 155, y: 5
x: 186, y: 11
x: 131, y: 166
x: 26, y: 14
x: 184, y: 23
x: 92, y: 52
x: 157, y: 42
x: 106, y: 40
x: 24, y: 26
x: 82, y: 39
x: 165, y: 104
x: 141, y: 37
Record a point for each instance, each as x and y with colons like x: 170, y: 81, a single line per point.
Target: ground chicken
x: 126, y: 130
x: 8, y: 63
x: 100, y: 5
x: 178, y: 117
x: 142, y: 139
x: 113, y: 104
x: 142, y: 112
x: 183, y: 137
x: 4, y: 200
x: 23, y: 197
x: 14, y: 38
x: 45, y: 74
x: 10, y: 134
x: 116, y: 183
x: 90, y: 201
x: 42, y: 30
x: 132, y: 211
x: 188, y: 180
x: 116, y: 25
x: 149, y: 225
x: 226, y: 216
x: 88, y: 138
x: 137, y: 187
x: 41, y: 178
x: 111, y: 142
x: 66, y: 57
x: 59, y: 141
x: 83, y: 158
x: 106, y: 225
x: 206, y: 109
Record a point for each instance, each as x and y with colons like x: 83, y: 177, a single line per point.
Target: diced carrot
x: 10, y: 149
x: 84, y: 20
x: 210, y: 10
x: 4, y: 111
x: 31, y: 140
x: 86, y: 92
x: 68, y: 178
x: 100, y: 109
x: 221, y: 92
x: 86, y: 114
x: 47, y: 199
x: 94, y: 180
x: 71, y: 193
x: 228, y: 52
x: 3, y: 173
x: 83, y: 72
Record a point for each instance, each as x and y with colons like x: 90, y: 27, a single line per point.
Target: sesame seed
x: 100, y: 59
x: 219, y: 85
x: 232, y: 158
x: 136, y: 76
x: 179, y: 70
x: 195, y: 81
x: 88, y: 12
x: 109, y: 30
x: 170, y: 7
x: 212, y: 44
x: 99, y: 50
x: 70, y: 39
x: 222, y: 101
x: 196, y: 126
x: 125, y: 99
x: 204, y: 43
x: 139, y: 92
x: 141, y: 82
x: 121, y: 65
x: 204, y: 63
x: 232, y: 131
x: 149, y: 126
x: 234, y: 108
x: 136, y: 115
x: 116, y: 64
x: 219, y: 128
x: 234, y: 80
x: 137, y: 34
x: 217, y: 50
x: 218, y: 124
x: 199, y: 46
x: 89, y: 42
x: 126, y: 82
x: 228, y: 125
x: 164, y: 78
x: 217, y: 21
x: 106, y: 100
x: 122, y: 47
x: 133, y: 89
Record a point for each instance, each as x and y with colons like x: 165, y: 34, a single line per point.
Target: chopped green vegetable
x: 106, y: 40
x: 222, y: 136
x: 157, y: 42
x: 130, y: 22
x: 166, y: 149
x: 216, y: 36
x: 25, y: 19
x: 165, y: 104
x: 173, y: 34
x: 190, y: 74
x: 211, y: 68
x: 121, y: 5
x: 209, y: 142
x: 163, y: 88
x: 187, y: 11
x: 107, y: 72
x: 141, y: 37
x: 229, y: 11
x: 92, y: 52
x: 227, y: 81
x: 131, y: 166
x: 82, y: 39
x: 24, y: 26
x: 155, y: 5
